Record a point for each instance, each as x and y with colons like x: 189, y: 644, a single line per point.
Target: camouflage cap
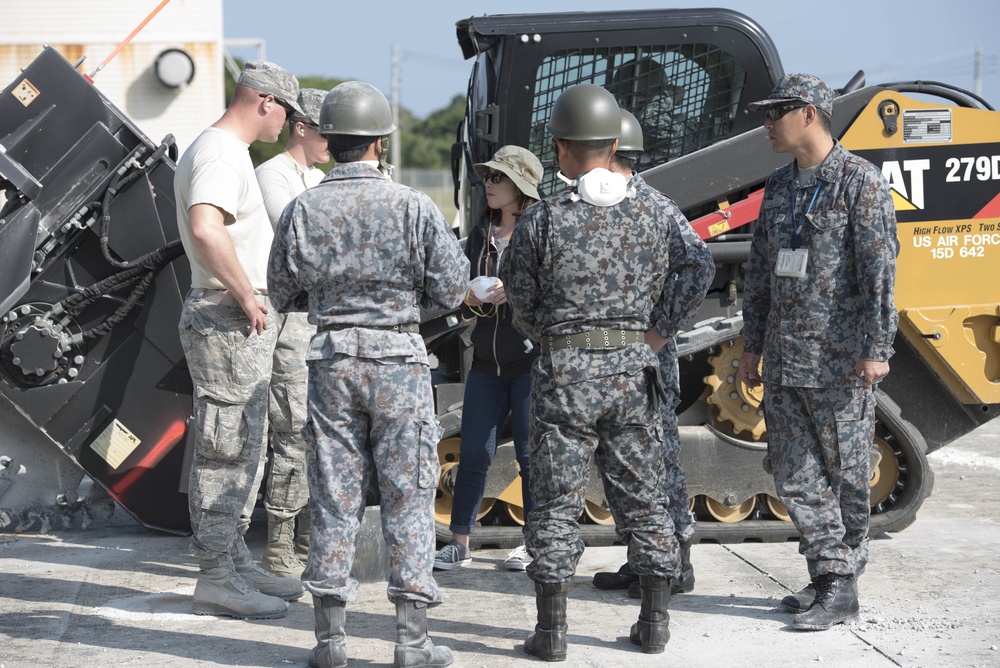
x: 311, y: 101
x: 798, y: 88
x: 274, y: 80
x: 519, y: 164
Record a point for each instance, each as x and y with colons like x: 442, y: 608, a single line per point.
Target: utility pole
x: 394, y: 145
x: 977, y: 75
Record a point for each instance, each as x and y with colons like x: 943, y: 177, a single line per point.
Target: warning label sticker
x: 926, y: 126
x: 115, y: 444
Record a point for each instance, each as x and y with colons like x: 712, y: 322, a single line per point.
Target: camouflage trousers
x: 614, y: 421
x: 230, y: 371
x: 819, y: 444
x: 674, y: 480
x: 371, y: 417
x: 287, y: 491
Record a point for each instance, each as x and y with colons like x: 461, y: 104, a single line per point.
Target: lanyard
x: 797, y: 227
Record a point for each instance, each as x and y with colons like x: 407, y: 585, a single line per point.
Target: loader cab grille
x: 685, y: 96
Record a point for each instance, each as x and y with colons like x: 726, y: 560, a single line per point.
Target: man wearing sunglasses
x: 281, y: 179
x: 228, y: 333
x: 819, y: 313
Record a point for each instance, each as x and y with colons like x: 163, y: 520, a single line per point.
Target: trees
x: 426, y: 144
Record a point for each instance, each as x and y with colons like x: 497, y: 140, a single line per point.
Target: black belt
x: 410, y: 329
x: 595, y: 338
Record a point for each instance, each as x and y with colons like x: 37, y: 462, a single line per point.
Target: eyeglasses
x: 776, y: 112
x: 494, y: 177
x: 284, y: 105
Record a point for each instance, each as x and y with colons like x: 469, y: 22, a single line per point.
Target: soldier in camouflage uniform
x: 362, y: 255
x: 819, y: 309
x: 286, y: 496
x: 691, y: 273
x: 228, y: 334
x: 586, y: 268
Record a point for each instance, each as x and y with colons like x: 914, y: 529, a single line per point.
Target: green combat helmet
x: 356, y: 108
x: 585, y: 112
x: 630, y: 140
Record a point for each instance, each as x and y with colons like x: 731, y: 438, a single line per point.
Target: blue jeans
x: 488, y: 401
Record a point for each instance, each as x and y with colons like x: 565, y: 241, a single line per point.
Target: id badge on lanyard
x: 793, y: 262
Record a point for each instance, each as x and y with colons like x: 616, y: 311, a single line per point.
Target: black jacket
x: 498, y: 348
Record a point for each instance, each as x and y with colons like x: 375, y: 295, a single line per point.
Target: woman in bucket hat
x: 498, y: 384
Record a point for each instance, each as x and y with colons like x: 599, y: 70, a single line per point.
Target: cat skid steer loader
x: 688, y: 76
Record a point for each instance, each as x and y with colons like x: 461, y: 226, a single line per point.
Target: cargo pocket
x: 287, y: 405
x: 429, y: 468
x: 223, y: 428
x: 852, y: 441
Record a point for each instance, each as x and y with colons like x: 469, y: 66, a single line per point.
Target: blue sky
x: 891, y: 41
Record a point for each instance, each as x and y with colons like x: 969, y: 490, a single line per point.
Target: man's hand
x: 870, y: 372
x: 654, y: 340
x: 749, y: 370
x: 257, y: 314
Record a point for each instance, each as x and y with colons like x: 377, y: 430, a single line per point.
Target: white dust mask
x: 600, y: 187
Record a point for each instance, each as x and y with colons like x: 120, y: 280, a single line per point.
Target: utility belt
x: 406, y: 329
x: 593, y: 339
x: 222, y: 298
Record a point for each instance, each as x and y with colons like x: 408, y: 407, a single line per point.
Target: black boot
x: 331, y: 641
x: 620, y: 580
x: 836, y: 602
x: 413, y: 648
x: 800, y: 600
x: 548, y: 642
x: 679, y: 585
x: 651, y: 630
x: 685, y: 583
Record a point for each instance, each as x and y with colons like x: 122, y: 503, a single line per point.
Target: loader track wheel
x: 728, y: 514
x: 903, y: 478
x: 735, y: 407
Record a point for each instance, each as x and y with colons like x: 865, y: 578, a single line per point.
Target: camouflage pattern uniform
x: 287, y: 490
x: 690, y: 275
x: 573, y: 268
x: 362, y: 252
x: 230, y: 372
x: 811, y: 333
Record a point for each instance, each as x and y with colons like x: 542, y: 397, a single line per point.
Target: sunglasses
x: 776, y: 112
x: 494, y: 177
x: 284, y: 105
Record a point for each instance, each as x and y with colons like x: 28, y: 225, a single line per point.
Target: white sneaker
x: 452, y: 556
x: 517, y: 560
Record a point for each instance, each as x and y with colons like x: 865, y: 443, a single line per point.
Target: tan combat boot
x: 264, y: 582
x: 302, y: 526
x: 220, y: 591
x: 279, y: 555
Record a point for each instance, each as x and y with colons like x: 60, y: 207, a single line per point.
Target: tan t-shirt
x: 216, y: 169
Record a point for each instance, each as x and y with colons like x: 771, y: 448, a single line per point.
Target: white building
x: 167, y: 80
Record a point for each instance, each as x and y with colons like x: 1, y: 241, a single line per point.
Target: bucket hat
x: 519, y: 164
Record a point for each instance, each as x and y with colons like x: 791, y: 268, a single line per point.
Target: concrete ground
x: 121, y: 595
